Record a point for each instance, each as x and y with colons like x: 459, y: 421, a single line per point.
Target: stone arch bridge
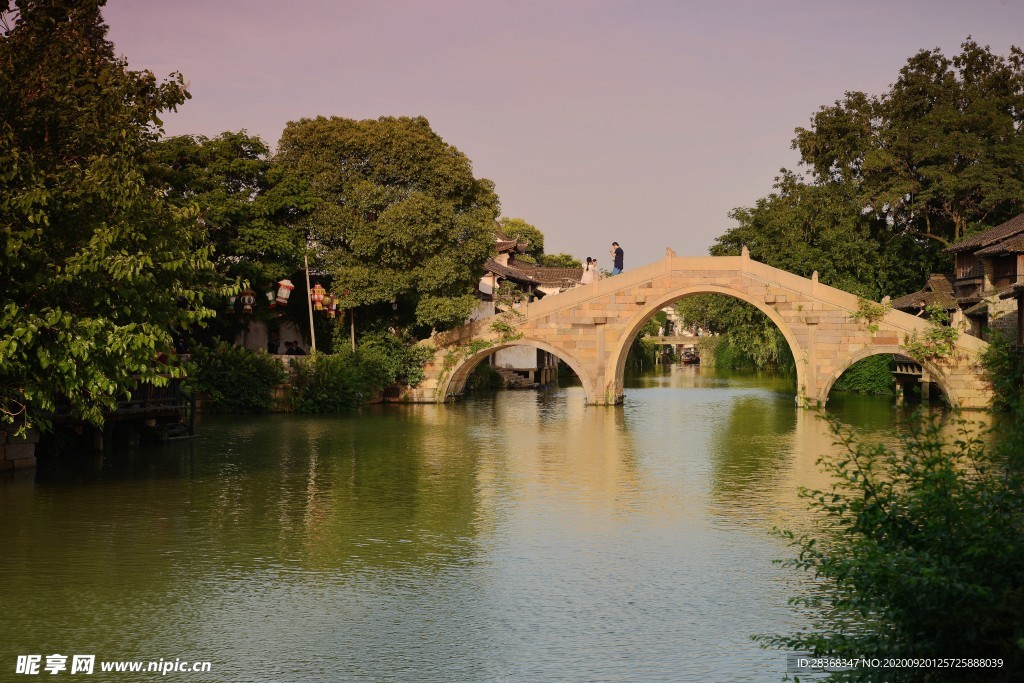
x: 591, y: 328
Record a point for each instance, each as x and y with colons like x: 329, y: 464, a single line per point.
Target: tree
x: 399, y: 218
x: 744, y: 335
x: 804, y: 227
x: 559, y: 261
x: 519, y: 229
x: 940, y: 154
x: 250, y: 208
x: 892, y: 179
x: 97, y: 268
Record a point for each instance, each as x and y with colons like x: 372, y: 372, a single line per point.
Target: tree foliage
x: 871, y: 375
x: 249, y: 206
x: 750, y: 338
x: 804, y: 227
x: 96, y: 267
x: 940, y: 154
x: 559, y: 261
x: 889, y: 180
x: 238, y: 380
x: 399, y: 217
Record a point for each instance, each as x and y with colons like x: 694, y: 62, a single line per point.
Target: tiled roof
x: 989, y: 237
x: 1013, y: 291
x: 938, y: 291
x: 537, y: 275
x: 980, y: 307
x: 510, y: 273
x: 552, y: 277
x: 1011, y: 245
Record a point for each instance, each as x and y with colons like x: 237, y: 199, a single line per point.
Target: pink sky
x: 639, y: 121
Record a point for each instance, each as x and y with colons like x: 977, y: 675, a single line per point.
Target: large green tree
x: 889, y: 180
x: 804, y: 227
x: 400, y: 217
x: 250, y: 208
x: 97, y: 269
x: 940, y: 154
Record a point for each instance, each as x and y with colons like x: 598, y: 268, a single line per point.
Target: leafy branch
x: 870, y: 313
x: 935, y: 343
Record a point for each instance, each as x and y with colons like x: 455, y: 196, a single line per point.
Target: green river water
x: 516, y: 536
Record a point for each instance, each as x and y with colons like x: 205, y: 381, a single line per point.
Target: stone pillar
x: 18, y: 452
x: 811, y: 391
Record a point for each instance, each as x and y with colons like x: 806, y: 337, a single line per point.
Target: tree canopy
x: 399, y: 218
x: 97, y: 268
x: 519, y: 229
x: 248, y: 205
x: 940, y: 154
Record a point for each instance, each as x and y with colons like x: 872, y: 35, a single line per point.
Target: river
x: 516, y: 536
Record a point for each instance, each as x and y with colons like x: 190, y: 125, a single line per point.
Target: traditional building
x: 521, y: 365
x: 988, y: 266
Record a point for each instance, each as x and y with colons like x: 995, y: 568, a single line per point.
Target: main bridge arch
x: 633, y: 327
x: 592, y: 326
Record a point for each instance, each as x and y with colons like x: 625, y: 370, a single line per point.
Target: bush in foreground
x: 921, y: 556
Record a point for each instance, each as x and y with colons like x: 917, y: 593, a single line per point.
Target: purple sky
x: 639, y: 121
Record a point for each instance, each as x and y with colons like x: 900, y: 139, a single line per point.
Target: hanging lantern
x: 317, y: 295
x: 329, y: 306
x: 270, y: 296
x: 231, y: 304
x: 284, y: 290
x: 248, y: 298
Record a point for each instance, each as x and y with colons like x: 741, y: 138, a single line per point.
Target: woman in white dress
x: 588, y: 272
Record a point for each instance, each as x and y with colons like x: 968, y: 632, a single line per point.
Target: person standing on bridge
x: 616, y: 253
x: 588, y: 272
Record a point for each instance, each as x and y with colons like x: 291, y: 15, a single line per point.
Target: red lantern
x: 248, y: 298
x: 317, y: 295
x: 284, y: 290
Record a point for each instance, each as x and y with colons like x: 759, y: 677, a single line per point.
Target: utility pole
x: 309, y: 303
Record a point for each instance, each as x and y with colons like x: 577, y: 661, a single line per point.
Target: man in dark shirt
x: 616, y: 253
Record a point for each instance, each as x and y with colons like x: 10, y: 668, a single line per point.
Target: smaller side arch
x: 456, y: 381
x: 937, y: 376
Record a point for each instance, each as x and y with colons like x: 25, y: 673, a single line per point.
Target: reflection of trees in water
x: 767, y: 450
x: 751, y: 446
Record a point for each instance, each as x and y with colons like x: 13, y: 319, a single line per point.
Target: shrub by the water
x: 325, y: 383
x: 237, y: 379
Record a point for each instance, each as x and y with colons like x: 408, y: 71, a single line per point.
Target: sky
x: 641, y: 121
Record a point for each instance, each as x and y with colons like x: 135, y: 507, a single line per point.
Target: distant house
x: 988, y: 267
x: 530, y: 364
